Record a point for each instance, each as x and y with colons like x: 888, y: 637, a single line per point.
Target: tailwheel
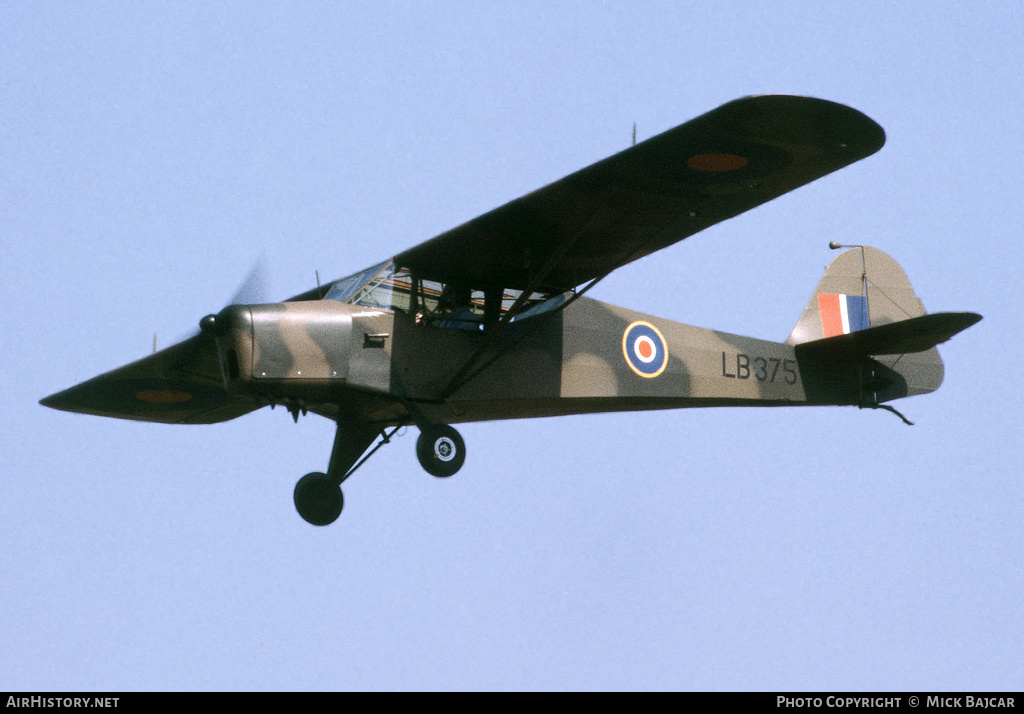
x: 318, y: 499
x: 441, y: 450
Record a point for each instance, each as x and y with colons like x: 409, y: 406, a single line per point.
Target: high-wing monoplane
x: 490, y: 320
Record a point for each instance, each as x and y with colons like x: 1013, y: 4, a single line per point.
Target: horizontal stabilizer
x: 917, y: 334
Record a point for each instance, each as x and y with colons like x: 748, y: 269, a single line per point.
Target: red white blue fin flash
x: 842, y: 314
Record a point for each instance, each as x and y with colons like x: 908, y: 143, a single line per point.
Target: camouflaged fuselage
x: 591, y: 357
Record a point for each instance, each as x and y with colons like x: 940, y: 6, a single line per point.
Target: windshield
x: 343, y: 289
x: 390, y: 287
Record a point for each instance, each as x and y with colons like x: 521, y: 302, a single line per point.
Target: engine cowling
x: 284, y: 348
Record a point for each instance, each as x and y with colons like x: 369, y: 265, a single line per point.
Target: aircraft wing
x: 651, y: 195
x: 181, y: 384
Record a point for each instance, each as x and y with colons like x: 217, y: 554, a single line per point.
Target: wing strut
x: 553, y: 261
x: 467, y: 373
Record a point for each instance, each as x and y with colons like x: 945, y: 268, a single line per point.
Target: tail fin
x: 856, y: 282
x: 865, y: 307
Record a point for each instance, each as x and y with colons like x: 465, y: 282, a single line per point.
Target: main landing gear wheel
x: 318, y: 499
x: 441, y: 450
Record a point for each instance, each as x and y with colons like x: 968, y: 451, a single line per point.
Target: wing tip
x: 60, y: 401
x: 837, y: 123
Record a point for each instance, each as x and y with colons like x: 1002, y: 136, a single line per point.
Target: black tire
x: 441, y: 450
x: 317, y: 500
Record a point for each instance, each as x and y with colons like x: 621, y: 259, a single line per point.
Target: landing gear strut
x: 318, y: 497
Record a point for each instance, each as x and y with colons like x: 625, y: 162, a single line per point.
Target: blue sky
x: 150, y: 152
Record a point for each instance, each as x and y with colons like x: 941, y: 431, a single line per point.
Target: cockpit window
x: 390, y: 287
x: 343, y: 289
